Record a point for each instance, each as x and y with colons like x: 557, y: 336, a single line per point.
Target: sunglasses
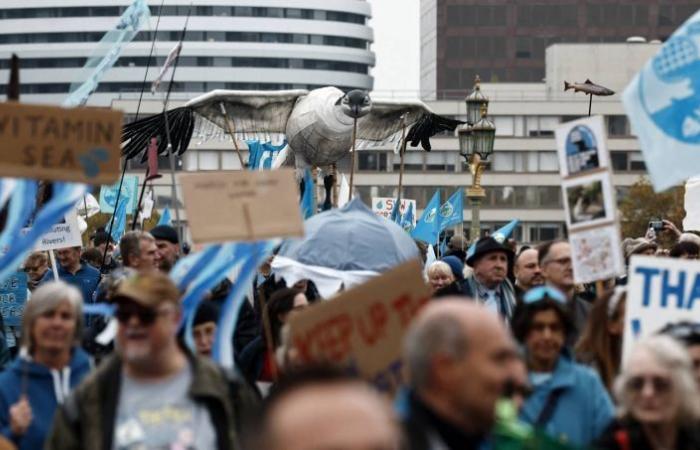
x: 146, y: 316
x: 543, y: 292
x: 661, y: 385
x: 684, y: 331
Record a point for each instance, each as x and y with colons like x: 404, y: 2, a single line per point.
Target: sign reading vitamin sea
x: 52, y: 143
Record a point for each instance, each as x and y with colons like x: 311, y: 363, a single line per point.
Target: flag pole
x: 402, y: 151
x: 352, y: 156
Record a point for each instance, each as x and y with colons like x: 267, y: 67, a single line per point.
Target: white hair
x: 440, y: 267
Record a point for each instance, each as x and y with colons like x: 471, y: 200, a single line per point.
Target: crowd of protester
x: 504, y: 323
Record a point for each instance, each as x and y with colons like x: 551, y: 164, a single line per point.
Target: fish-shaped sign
x: 588, y: 87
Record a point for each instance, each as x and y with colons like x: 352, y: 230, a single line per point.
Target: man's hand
x: 20, y: 416
x: 671, y: 228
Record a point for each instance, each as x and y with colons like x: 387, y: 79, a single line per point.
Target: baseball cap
x: 148, y: 290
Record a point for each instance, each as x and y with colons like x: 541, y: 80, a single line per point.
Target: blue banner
x: 165, y: 219
x: 308, y: 208
x: 428, y: 226
x: 452, y: 211
x: 130, y: 195
x: 119, y: 224
x: 13, y: 297
x: 262, y: 154
x: 663, y: 105
x: 407, y: 219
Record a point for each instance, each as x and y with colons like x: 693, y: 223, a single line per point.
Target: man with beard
x: 168, y: 245
x: 527, y: 271
x: 153, y: 393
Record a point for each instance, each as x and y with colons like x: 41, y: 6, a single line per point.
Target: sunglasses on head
x: 661, y: 385
x: 543, y: 292
x: 683, y: 331
x: 145, y: 315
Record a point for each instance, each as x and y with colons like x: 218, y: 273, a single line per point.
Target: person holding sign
x: 569, y: 401
x: 75, y: 272
x: 658, y: 400
x: 35, y: 384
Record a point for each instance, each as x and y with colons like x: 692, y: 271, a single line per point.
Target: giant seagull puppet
x: 318, y: 124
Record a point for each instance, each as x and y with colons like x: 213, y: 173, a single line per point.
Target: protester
x: 204, y: 327
x: 75, y: 272
x: 151, y: 376
x: 658, y: 400
x: 569, y: 402
x: 456, y: 265
x: 256, y: 360
x: 52, y: 364
x: 35, y: 266
x: 639, y: 246
x: 168, y: 245
x: 459, y: 358
x: 139, y: 252
x: 457, y: 246
x: 600, y: 346
x: 103, y: 242
x: 527, y: 271
x: 440, y: 275
x: 687, y: 333
x: 93, y: 257
x: 554, y: 258
x: 318, y: 408
x: 489, y: 284
x: 689, y: 237
x: 685, y: 250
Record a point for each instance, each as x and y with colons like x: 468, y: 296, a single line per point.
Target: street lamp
x: 476, y: 139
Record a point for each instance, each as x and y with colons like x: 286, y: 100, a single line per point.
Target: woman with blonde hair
x: 440, y: 275
x: 658, y: 400
x: 50, y: 365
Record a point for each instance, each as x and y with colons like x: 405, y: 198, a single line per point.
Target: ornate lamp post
x: 476, y: 139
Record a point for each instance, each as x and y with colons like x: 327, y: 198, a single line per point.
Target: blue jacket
x: 44, y: 388
x: 583, y: 410
x: 85, y: 279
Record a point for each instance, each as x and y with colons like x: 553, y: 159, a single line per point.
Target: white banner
x: 382, y: 206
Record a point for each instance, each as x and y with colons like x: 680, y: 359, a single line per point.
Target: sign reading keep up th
x: 52, y: 143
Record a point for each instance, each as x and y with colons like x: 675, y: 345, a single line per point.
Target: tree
x: 642, y: 204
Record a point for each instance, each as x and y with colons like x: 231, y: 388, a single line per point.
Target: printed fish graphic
x: 588, y: 87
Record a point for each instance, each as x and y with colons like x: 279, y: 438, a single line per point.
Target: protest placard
x: 241, y: 205
x: 61, y: 235
x: 362, y: 329
x: 582, y: 146
x: 593, y: 254
x: 130, y: 192
x: 13, y: 297
x: 588, y: 200
x: 383, y: 206
x: 660, y: 291
x: 52, y: 143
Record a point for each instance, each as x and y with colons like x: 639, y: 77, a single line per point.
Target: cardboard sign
x: 52, y: 143
x: 130, y: 192
x: 582, y: 146
x: 382, y: 206
x: 362, y: 329
x: 593, y: 254
x: 13, y: 297
x: 241, y: 205
x: 589, y: 200
x: 61, y: 235
x: 659, y: 291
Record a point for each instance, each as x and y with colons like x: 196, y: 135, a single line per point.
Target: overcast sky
x: 396, y: 25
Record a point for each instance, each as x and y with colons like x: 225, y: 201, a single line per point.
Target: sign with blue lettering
x: 660, y: 291
x: 663, y: 104
x: 13, y: 296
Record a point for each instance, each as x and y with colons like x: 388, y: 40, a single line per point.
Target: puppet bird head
x: 355, y: 103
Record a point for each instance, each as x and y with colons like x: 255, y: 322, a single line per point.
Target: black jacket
x: 627, y: 434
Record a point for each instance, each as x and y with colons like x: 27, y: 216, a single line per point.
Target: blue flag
x: 307, y: 198
x: 119, y: 224
x: 395, y: 211
x: 261, y: 155
x: 165, y: 219
x: 452, y: 211
x: 662, y: 104
x: 443, y: 246
x: 501, y: 235
x: 428, y: 226
x: 407, y: 219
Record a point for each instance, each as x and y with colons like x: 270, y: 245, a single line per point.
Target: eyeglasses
x: 145, y: 315
x: 661, y: 385
x: 543, y: 292
x: 683, y: 331
x: 565, y: 261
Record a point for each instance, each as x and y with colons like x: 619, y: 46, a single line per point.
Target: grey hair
x: 436, y: 335
x: 689, y: 237
x: 46, y: 298
x: 672, y: 356
x: 130, y: 244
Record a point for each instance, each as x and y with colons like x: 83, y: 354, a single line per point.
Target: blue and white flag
x: 407, y: 219
x: 262, y: 154
x: 501, y: 235
x: 165, y: 219
x: 308, y: 208
x: 22, y: 203
x: 428, y: 226
x: 395, y: 211
x: 663, y: 105
x: 452, y: 211
x: 119, y: 224
x: 108, y: 51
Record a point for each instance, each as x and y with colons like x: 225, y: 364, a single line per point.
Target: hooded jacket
x: 45, y: 388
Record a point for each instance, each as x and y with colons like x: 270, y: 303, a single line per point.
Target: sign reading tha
x: 362, y: 329
x: 52, y: 143
x: 660, y: 291
x: 241, y: 205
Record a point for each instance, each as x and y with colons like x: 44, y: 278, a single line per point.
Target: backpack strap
x: 549, y: 407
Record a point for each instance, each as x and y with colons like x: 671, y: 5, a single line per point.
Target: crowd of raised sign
x: 507, y: 340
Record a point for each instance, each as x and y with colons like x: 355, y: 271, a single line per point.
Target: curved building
x: 234, y: 44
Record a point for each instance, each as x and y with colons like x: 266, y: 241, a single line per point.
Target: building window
x: 619, y: 161
x: 637, y: 162
x: 371, y: 161
x: 617, y: 126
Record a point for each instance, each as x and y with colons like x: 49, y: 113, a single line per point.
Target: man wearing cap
x: 153, y: 393
x: 489, y: 283
x: 168, y: 245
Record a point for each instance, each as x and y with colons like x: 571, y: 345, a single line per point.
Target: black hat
x: 207, y: 311
x: 487, y: 245
x: 165, y: 233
